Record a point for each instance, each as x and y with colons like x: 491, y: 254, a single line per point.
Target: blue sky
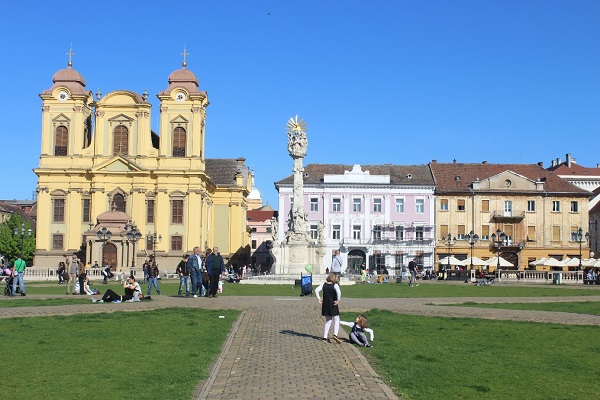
x: 401, y: 82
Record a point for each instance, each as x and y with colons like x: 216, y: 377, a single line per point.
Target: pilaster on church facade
x: 116, y: 172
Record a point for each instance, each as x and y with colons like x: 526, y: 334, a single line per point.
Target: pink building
x: 382, y: 215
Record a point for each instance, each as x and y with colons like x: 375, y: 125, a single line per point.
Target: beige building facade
x: 536, y: 210
x: 102, y: 166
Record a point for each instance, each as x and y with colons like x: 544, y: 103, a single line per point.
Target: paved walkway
x: 274, y: 350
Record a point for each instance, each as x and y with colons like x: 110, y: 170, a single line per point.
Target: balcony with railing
x: 508, y: 216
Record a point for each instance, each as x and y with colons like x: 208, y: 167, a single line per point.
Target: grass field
x: 162, y: 354
x: 580, y: 307
x: 429, y: 358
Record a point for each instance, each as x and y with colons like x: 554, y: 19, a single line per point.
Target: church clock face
x: 180, y: 97
x: 63, y: 95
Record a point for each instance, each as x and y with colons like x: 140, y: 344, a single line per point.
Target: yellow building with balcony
x: 101, y: 166
x: 537, y: 212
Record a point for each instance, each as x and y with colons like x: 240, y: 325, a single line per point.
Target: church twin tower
x: 102, y: 166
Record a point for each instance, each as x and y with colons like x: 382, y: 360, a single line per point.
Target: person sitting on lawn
x: 133, y: 292
x: 359, y: 327
x: 87, y: 289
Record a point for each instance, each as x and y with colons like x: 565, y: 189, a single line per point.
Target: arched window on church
x: 61, y: 141
x: 119, y: 202
x: 179, y: 142
x: 120, y: 140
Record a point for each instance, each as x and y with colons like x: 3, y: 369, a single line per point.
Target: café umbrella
x: 493, y: 262
x: 449, y: 261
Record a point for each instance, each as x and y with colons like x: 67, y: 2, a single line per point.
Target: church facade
x: 102, y: 166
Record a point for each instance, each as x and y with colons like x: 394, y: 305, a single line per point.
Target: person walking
x: 215, y: 266
x: 153, y: 277
x: 332, y: 295
x: 18, y: 270
x: 81, y: 274
x: 412, y: 268
x: 194, y: 264
x: 205, y: 284
x: 336, y: 263
x: 61, y: 272
x: 184, y: 276
x: 73, y: 267
x: 363, y: 273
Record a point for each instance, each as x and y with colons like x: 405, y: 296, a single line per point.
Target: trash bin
x: 557, y: 278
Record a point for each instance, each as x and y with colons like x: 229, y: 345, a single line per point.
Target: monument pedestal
x: 291, y: 259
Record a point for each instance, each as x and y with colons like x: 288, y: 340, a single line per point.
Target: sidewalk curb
x: 203, y: 390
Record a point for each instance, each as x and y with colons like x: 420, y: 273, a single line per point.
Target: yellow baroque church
x: 102, y: 166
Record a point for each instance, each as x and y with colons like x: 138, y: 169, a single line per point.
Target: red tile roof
x: 574, y: 169
x: 259, y: 215
x: 457, y: 177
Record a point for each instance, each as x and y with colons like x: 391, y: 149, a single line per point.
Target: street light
x: 104, y: 235
x: 471, y: 238
x: 579, y: 235
x: 498, y: 238
x: 155, y: 239
x: 22, y: 234
x: 448, y: 241
x: 133, y: 235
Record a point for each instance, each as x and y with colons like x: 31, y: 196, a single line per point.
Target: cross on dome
x: 71, y: 54
x: 184, y: 54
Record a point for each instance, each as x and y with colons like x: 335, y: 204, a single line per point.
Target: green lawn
x: 161, y: 354
x: 581, y: 307
x: 432, y: 358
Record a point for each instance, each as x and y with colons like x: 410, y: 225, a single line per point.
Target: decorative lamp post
x: 498, y: 238
x: 155, y: 239
x: 448, y: 241
x: 471, y: 238
x: 579, y: 235
x: 104, y: 235
x: 21, y: 233
x: 133, y: 235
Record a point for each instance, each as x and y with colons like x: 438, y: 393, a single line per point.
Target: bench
x: 590, y: 282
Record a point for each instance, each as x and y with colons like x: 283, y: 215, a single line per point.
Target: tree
x: 10, y: 244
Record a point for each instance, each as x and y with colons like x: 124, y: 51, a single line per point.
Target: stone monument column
x: 297, y: 146
x: 298, y: 249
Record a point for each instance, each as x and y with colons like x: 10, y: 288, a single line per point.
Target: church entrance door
x: 110, y: 255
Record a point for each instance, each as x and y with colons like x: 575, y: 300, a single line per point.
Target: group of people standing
x: 203, y: 272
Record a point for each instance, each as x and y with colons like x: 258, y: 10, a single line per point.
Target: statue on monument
x: 297, y: 141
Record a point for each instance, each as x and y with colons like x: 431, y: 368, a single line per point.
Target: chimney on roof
x: 484, y: 162
x: 541, y: 164
x: 558, y: 161
x: 568, y: 160
x: 434, y: 161
x: 454, y: 161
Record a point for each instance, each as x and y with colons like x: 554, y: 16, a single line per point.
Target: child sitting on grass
x: 359, y: 327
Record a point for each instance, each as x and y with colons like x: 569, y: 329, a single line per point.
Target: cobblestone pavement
x: 275, y: 351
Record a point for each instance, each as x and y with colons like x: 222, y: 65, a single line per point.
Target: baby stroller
x: 306, y: 284
x: 8, y: 287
